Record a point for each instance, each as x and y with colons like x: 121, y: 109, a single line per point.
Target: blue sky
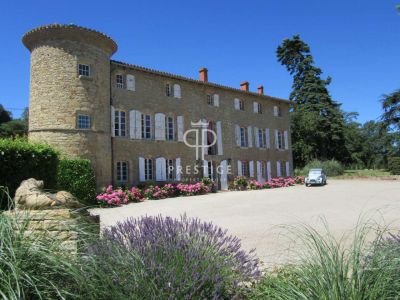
x: 356, y: 42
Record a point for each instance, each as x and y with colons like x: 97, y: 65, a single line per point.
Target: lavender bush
x: 185, y: 258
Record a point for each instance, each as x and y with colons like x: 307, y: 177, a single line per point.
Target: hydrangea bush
x: 186, y: 258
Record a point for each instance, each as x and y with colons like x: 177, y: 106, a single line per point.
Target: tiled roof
x: 179, y: 77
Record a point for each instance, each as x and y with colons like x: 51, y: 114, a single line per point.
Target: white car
x: 315, y: 177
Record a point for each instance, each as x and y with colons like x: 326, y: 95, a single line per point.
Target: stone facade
x: 58, y: 95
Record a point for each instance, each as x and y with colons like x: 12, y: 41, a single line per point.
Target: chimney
x: 261, y: 90
x: 203, y: 74
x: 244, y: 86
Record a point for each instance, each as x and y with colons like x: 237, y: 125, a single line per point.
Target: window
x: 263, y: 169
x: 169, y: 129
x: 245, y: 168
x: 83, y: 122
x: 283, y: 169
x: 261, y: 138
x: 212, y: 148
x: 168, y: 90
x: 169, y: 167
x: 148, y: 169
x: 241, y: 104
x: 277, y: 111
x: 120, y: 81
x: 259, y: 108
x: 146, y: 127
x: 243, y: 137
x: 84, y: 70
x: 122, y: 171
x: 280, y: 142
x: 177, y: 91
x: 210, y: 100
x: 119, y: 123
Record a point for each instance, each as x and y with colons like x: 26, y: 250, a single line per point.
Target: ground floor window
x: 245, y: 168
x: 122, y: 171
x: 169, y: 167
x: 148, y: 169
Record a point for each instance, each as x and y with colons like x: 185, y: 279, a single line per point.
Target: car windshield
x: 315, y: 172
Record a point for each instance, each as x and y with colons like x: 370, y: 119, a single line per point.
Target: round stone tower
x: 69, y: 104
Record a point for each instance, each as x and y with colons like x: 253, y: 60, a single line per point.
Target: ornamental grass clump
x: 184, y: 258
x: 349, y: 268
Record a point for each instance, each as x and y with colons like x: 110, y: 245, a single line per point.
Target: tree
x: 5, y: 115
x: 391, y: 109
x: 13, y: 128
x: 317, y: 121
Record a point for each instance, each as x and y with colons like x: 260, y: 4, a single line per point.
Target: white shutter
x: 204, y: 137
x: 275, y: 111
x: 159, y: 128
x: 219, y: 138
x: 159, y: 169
x: 269, y: 177
x: 256, y: 139
x: 239, y: 168
x: 287, y: 169
x: 251, y: 168
x: 267, y: 138
x: 255, y: 107
x: 205, y: 168
x: 276, y: 139
x: 130, y: 82
x: 216, y: 100
x: 180, y: 125
x: 286, y: 140
x: 178, y: 169
x: 237, y: 104
x: 112, y: 121
x: 259, y: 175
x: 249, y: 136
x: 138, y: 124
x: 141, y: 169
x: 278, y: 169
x: 177, y: 91
x: 237, y: 135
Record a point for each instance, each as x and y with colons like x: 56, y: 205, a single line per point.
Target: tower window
x: 83, y: 122
x: 84, y: 70
x: 122, y: 171
x: 120, y: 81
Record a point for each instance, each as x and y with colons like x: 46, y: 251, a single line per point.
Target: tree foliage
x: 318, y: 125
x: 5, y: 115
x: 391, y: 109
x: 10, y: 127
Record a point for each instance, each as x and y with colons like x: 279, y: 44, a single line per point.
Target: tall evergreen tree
x: 317, y: 121
x: 391, y: 109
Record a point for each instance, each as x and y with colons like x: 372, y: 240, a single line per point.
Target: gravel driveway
x: 256, y: 216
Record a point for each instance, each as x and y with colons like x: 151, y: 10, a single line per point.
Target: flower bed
x: 118, y: 196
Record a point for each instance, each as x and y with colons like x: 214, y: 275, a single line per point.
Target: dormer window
x: 84, y: 70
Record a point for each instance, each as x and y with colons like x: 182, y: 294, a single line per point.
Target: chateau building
x: 139, y: 125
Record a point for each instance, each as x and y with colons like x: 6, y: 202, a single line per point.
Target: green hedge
x: 20, y: 160
x: 331, y: 167
x: 394, y: 165
x: 77, y: 177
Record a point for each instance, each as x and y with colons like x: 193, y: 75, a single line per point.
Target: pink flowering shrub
x: 192, y: 189
x: 135, y: 195
x: 113, y: 197
x: 155, y: 193
x: 255, y: 185
x: 240, y: 183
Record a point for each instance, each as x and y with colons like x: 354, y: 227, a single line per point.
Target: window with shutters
x: 177, y: 91
x: 122, y: 171
x: 83, y: 122
x: 211, y: 142
x: 119, y: 123
x: 210, y: 100
x: 243, y: 137
x: 259, y: 108
x: 263, y: 169
x: 120, y: 81
x: 148, y: 169
x: 283, y: 169
x: 169, y: 169
x: 245, y: 168
x: 281, y: 141
x: 277, y: 111
x: 83, y: 70
x: 146, y: 127
x: 168, y: 90
x: 169, y: 129
x: 241, y: 104
x: 261, y: 138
